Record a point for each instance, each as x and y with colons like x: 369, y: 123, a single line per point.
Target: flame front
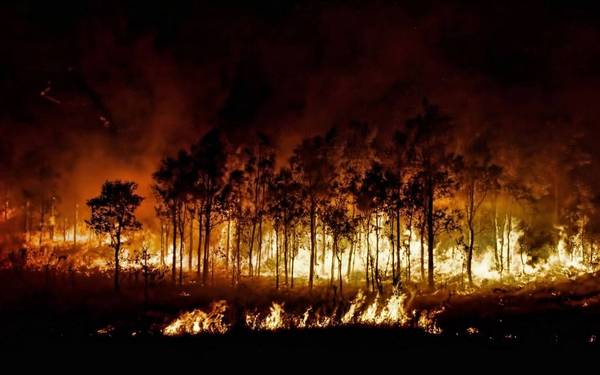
x: 389, y: 312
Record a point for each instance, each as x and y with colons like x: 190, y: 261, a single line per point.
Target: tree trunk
x: 509, y: 230
x: 368, y: 257
x: 422, y: 250
x: 181, y: 243
x: 470, y: 218
x: 430, y: 233
x: 260, y: 241
x: 146, y: 280
x: 238, y: 262
x: 199, y: 247
x: 174, y: 265
x: 227, y: 245
x: 324, y: 248
x: 339, y: 257
x: 117, y: 271
x: 398, y: 245
x: 408, y: 249
x: 377, y: 281
x: 190, y: 246
x: 206, y: 241
x: 162, y: 243
x: 393, y: 248
x: 311, y: 273
x: 232, y: 260
x: 501, y: 250
x: 357, y: 251
x: 276, y: 258
x: 285, y: 253
x: 250, y: 248
x: 332, y: 275
x: 350, y: 253
x: 470, y: 255
x: 294, y: 252
x: 74, y: 223
x: 497, y: 257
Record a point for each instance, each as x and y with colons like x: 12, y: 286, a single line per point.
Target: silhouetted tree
x: 113, y: 215
x: 209, y: 157
x: 429, y: 134
x: 286, y: 207
x: 315, y: 165
x: 478, y: 176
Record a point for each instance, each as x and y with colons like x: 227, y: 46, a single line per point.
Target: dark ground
x: 60, y: 317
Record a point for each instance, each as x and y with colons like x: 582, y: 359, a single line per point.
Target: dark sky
x: 102, y: 89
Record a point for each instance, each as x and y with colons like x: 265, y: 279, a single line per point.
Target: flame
x: 390, y: 312
x: 198, y: 321
x: 80, y: 250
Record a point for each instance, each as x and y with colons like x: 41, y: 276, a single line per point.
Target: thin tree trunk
x: 393, y: 248
x: 276, y: 258
x: 199, y: 247
x: 227, y: 245
x: 357, y: 251
x: 237, y: 251
x: 398, y: 245
x: 509, y: 230
x: 332, y: 275
x: 430, y: 233
x: 408, y: 249
x: 162, y: 243
x: 207, y: 215
x: 74, y: 223
x: 497, y: 258
x: 312, y: 247
x: 377, y: 281
x: 260, y: 243
x: 470, y: 218
x: 324, y: 248
x: 339, y: 257
x: 368, y: 257
x: 174, y: 265
x: 422, y: 250
x: 250, y: 248
x: 285, y: 253
x: 233, y: 271
x: 191, y: 244
x: 351, y: 251
x: 117, y: 248
x: 181, y: 244
x: 501, y: 250
x: 294, y: 252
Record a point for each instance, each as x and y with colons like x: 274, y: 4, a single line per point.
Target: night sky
x: 103, y: 89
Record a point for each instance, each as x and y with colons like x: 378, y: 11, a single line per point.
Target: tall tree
x: 209, y: 157
x: 478, y: 175
x: 286, y: 208
x: 429, y: 133
x: 172, y: 188
x: 315, y: 165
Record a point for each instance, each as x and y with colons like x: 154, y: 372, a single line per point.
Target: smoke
x: 103, y: 90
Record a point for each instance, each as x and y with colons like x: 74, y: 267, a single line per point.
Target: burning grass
x: 392, y: 311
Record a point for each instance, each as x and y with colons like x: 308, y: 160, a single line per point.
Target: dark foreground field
x: 67, y: 313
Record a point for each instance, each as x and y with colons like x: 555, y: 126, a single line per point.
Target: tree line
x: 431, y: 180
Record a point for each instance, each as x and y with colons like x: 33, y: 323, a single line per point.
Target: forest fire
x: 360, y: 176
